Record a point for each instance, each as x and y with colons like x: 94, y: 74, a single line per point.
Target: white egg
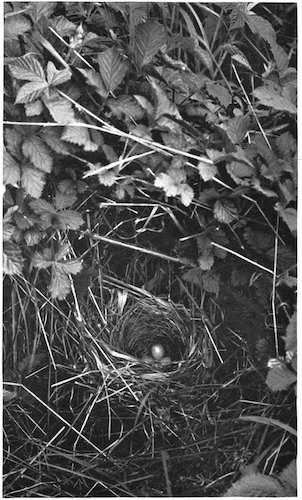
x: 158, y: 352
x: 166, y: 361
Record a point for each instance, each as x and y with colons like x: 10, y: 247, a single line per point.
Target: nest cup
x: 149, y: 322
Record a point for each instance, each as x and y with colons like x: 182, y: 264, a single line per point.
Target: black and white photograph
x: 149, y: 231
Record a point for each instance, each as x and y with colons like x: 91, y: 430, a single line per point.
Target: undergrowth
x: 149, y: 154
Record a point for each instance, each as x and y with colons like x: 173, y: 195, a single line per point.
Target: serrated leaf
x: 76, y: 135
x: 236, y: 128
x: 150, y: 37
x: 70, y: 266
x: 27, y: 68
x: 240, y: 172
x: 34, y: 108
x: 225, y: 211
x: 269, y: 97
x: 56, y: 76
x: 55, y: 143
x: 13, y: 141
x: 205, y: 253
x: 12, y: 259
x: 32, y: 181
x: 69, y: 219
x: 126, y: 107
x: 210, y: 282
x: 11, y: 170
x: 15, y: 26
x: 112, y: 68
x: 42, y: 207
x: 220, y: 93
x: 30, y: 91
x: 262, y: 27
x: 60, y: 285
x: 186, y: 194
x: 279, y: 378
x: 206, y: 171
x: 60, y: 109
x: 62, y: 201
x: 42, y: 260
x: 37, y: 152
x: 289, y: 215
x: 107, y: 178
x: 95, y: 80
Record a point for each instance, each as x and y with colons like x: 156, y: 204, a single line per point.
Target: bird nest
x: 155, y: 340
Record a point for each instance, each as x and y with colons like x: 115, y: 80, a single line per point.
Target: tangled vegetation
x: 150, y: 194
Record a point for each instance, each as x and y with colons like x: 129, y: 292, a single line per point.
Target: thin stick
x: 164, y: 455
x: 242, y: 257
x: 138, y: 249
x: 274, y: 291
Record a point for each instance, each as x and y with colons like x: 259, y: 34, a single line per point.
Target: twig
x: 164, y: 455
x: 242, y: 257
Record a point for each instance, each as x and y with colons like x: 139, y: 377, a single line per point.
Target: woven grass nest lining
x: 146, y: 322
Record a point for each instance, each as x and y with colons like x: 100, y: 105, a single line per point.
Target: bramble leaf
x: 125, y: 107
x: 95, y: 80
x: 76, y: 135
x: 210, y: 282
x: 206, y: 170
x: 33, y: 108
x: 69, y: 219
x: 42, y: 207
x: 241, y: 173
x: 268, y: 96
x: 11, y: 170
x: 69, y: 266
x: 220, y: 93
x: 27, y: 68
x: 12, y: 259
x: 225, y: 211
x: 32, y: 181
x: 55, y: 76
x: 42, y: 260
x: 205, y: 252
x: 13, y: 140
x: 150, y: 37
x: 112, y: 68
x: 31, y: 91
x: 37, y: 152
x: 62, y: 201
x: 60, y: 285
x: 60, y: 109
